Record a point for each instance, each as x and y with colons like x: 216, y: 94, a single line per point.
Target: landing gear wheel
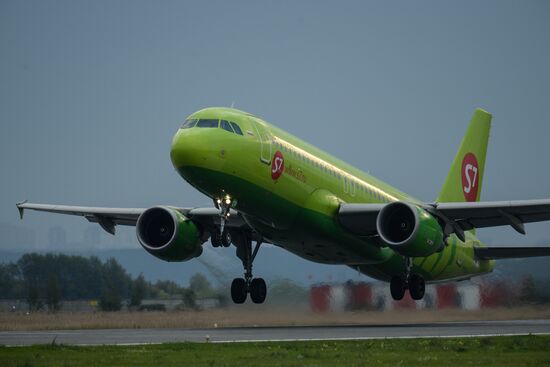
x: 397, y: 288
x: 238, y: 290
x: 226, y: 238
x: 258, y: 290
x: 216, y: 238
x: 241, y: 287
x: 417, y: 286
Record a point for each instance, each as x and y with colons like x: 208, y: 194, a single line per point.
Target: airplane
x: 268, y: 186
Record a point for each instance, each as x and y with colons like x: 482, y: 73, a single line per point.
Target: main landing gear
x: 413, y: 282
x: 240, y: 287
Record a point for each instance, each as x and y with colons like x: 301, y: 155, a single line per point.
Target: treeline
x: 44, y: 280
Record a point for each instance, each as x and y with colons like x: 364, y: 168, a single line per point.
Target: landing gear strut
x: 240, y: 287
x: 224, y: 205
x: 223, y: 236
x: 413, y: 282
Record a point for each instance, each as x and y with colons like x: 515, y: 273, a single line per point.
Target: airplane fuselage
x: 290, y: 192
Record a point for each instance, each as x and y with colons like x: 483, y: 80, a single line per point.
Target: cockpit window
x: 230, y: 126
x: 189, y: 123
x: 225, y: 125
x: 208, y: 123
x: 236, y: 128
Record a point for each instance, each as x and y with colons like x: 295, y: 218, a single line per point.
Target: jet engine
x: 409, y: 230
x: 167, y: 234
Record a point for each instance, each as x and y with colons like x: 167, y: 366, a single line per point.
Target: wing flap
x: 490, y: 253
x: 471, y: 215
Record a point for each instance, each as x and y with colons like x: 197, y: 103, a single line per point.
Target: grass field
x: 486, y: 351
x: 252, y: 316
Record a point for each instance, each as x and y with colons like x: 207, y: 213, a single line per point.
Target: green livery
x: 474, y: 145
x: 298, y: 210
x: 185, y: 234
x: 269, y: 186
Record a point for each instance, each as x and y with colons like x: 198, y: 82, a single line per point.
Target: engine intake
x: 409, y: 230
x: 167, y: 234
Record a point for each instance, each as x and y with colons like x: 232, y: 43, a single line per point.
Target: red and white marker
x: 277, y: 165
x: 470, y: 177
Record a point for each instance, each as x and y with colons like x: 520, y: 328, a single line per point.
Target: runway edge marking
x: 376, y: 338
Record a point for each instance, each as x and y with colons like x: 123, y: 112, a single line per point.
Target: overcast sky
x: 91, y: 93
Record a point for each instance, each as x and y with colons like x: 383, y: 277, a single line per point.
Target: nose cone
x: 194, y: 148
x: 183, y: 150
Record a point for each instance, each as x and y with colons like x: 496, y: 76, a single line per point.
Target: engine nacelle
x: 167, y: 234
x: 409, y: 230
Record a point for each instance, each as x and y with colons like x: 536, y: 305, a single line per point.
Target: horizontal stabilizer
x: 489, y: 253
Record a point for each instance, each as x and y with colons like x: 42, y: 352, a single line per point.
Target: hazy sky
x: 91, y: 93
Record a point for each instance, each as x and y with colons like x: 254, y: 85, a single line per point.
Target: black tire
x: 215, y: 238
x: 258, y: 290
x: 238, y: 290
x: 226, y: 238
x: 417, y: 287
x: 397, y: 288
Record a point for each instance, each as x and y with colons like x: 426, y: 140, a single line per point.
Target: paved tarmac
x: 152, y: 336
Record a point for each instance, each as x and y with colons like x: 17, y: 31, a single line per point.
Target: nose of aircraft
x: 194, y: 148
x: 183, y: 149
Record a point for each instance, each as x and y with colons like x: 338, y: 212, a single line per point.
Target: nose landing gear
x: 221, y: 239
x: 413, y: 282
x: 225, y: 204
x: 223, y: 236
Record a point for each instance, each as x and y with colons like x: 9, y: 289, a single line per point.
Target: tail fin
x: 464, y: 180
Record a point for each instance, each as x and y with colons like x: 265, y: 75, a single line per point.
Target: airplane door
x: 265, y: 142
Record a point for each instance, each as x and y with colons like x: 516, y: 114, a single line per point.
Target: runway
x: 153, y: 336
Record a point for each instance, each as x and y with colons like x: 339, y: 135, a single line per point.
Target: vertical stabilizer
x: 464, y: 180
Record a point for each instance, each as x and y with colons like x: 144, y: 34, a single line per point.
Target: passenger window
x: 236, y: 128
x: 225, y: 125
x: 208, y: 123
x: 189, y: 124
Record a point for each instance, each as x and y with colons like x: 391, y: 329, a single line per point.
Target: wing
x: 361, y: 218
x: 489, y: 253
x: 108, y: 218
x: 497, y: 213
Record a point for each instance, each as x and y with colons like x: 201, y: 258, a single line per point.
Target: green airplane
x: 268, y: 186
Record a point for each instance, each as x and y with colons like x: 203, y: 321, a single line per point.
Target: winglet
x: 21, y: 208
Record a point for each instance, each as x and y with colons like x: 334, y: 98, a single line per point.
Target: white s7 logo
x: 278, y: 164
x: 471, y: 182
